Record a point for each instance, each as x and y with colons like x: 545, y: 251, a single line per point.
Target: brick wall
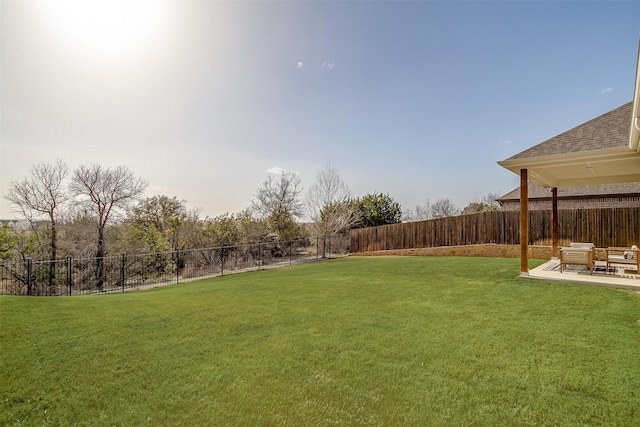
x: 579, y: 203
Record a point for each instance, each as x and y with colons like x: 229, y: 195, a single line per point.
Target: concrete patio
x: 579, y: 274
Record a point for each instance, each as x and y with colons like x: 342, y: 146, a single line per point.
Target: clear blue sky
x: 201, y: 98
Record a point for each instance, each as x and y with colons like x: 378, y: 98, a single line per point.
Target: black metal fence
x: 126, y: 272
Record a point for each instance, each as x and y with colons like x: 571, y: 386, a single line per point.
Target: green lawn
x: 357, y: 341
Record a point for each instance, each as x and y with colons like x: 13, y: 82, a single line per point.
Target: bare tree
x: 330, y: 205
x: 105, y: 192
x: 78, y: 231
x: 278, y: 202
x: 40, y: 196
x: 443, y: 208
x: 422, y: 212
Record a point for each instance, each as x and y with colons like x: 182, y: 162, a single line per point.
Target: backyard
x: 356, y: 341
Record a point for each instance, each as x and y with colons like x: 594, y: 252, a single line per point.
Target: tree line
x: 95, y: 210
x: 445, y: 207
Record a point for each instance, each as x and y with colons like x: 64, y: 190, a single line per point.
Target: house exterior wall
x: 577, y: 203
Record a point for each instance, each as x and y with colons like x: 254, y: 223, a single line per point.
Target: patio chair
x: 578, y: 254
x: 624, y: 258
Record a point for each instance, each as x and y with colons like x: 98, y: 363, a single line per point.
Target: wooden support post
x: 554, y: 223
x: 524, y: 222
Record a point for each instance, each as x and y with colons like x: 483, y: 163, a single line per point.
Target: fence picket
x: 603, y: 227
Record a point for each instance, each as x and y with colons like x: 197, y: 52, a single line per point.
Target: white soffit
x: 609, y: 166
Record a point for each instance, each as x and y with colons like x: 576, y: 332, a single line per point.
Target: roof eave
x: 566, y: 158
x: 543, y: 169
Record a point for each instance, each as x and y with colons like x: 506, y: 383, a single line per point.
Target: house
x: 600, y: 151
x: 625, y: 195
x: 605, y: 150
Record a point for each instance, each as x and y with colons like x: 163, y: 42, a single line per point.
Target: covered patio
x: 604, y: 150
x: 550, y: 270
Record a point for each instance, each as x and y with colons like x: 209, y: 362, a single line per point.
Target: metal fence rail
x: 139, y: 271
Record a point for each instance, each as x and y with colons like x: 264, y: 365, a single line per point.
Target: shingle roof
x: 537, y: 192
x: 610, y: 130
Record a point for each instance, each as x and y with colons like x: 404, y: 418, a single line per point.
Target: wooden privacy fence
x: 603, y: 227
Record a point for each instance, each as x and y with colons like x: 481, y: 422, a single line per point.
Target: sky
x: 203, y: 99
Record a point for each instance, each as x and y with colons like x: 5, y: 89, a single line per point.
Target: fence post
x: 69, y: 264
x: 122, y: 271
x: 222, y: 262
x: 317, y: 247
x: 259, y: 256
x: 290, y: 245
x: 29, y: 276
x: 329, y: 246
x: 177, y: 266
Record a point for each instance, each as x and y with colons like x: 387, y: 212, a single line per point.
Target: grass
x: 359, y: 341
